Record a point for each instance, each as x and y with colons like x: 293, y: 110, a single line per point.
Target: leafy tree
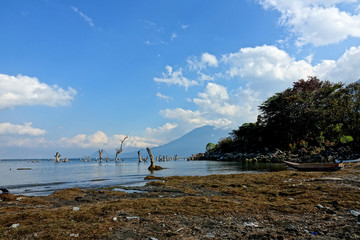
x: 311, y: 113
x: 225, y: 145
x: 306, y: 111
x: 210, y: 147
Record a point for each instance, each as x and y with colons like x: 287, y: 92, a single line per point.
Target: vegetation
x: 313, y: 113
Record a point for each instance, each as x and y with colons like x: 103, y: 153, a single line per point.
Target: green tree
x: 307, y: 111
x: 210, y: 147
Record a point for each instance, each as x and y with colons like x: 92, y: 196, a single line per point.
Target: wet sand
x: 278, y: 205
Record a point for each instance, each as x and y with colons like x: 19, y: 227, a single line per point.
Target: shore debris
x: 250, y: 224
x: 355, y: 213
x: 15, y: 225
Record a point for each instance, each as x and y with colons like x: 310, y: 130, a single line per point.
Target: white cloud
x: 258, y: 72
x: 100, y: 140
x: 161, y: 133
x: 216, y: 102
x: 175, y: 78
x: 26, y: 129
x: 207, y: 60
x: 345, y: 69
x: 24, y: 90
x: 83, y: 16
x: 164, y: 97
x: 183, y: 26
x: 7, y: 141
x: 165, y: 128
x: 192, y: 119
x: 266, y: 68
x: 317, y: 22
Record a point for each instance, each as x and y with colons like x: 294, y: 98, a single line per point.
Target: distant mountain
x: 191, y: 143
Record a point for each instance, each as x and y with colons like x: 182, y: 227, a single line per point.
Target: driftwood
x: 152, y: 167
x: 120, y: 149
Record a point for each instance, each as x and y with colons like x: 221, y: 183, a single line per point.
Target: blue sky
x: 76, y: 76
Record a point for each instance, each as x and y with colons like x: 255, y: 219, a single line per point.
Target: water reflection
x: 249, y: 166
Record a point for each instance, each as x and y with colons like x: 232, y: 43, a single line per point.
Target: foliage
x: 210, y: 147
x: 311, y: 113
x: 224, y: 145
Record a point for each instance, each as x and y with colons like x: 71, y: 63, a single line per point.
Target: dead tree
x: 100, y: 154
x: 140, y: 159
x: 57, y: 157
x: 152, y: 164
x: 120, y: 149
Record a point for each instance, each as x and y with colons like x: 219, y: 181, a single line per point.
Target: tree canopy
x: 311, y: 113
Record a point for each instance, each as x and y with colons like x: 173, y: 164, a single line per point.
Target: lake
x: 43, y: 177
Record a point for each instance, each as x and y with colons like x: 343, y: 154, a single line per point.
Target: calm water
x: 45, y: 177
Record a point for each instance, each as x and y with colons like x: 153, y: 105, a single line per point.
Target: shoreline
x: 275, y: 205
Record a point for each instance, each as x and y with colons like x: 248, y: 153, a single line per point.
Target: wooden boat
x: 315, y: 166
x: 348, y: 161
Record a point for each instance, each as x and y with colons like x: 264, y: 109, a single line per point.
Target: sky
x: 80, y: 75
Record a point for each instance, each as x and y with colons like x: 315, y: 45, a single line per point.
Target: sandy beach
x: 279, y: 205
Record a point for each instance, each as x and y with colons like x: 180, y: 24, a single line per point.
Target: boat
x: 347, y: 161
x: 315, y: 166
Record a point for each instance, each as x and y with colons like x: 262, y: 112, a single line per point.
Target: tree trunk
x: 140, y: 160
x: 152, y: 166
x: 57, y: 157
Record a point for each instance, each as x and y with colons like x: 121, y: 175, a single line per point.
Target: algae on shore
x: 279, y: 205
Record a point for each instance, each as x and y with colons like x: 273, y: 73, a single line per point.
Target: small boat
x: 315, y: 166
x: 347, y: 161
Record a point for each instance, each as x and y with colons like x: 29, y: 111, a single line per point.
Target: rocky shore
x: 323, y: 154
x: 276, y: 205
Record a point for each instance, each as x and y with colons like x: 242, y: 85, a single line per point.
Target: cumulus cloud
x: 9, y: 141
x: 23, y: 90
x: 206, y: 60
x: 83, y: 16
x: 215, y: 100
x: 345, y: 69
x: 189, y: 119
x: 100, y: 140
x: 165, y: 128
x: 175, y: 78
x: 266, y: 68
x: 317, y: 22
x: 162, y: 133
x: 256, y: 73
x: 26, y: 129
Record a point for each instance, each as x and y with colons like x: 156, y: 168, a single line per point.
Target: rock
x: 250, y: 224
x: 355, y: 213
x: 15, y: 225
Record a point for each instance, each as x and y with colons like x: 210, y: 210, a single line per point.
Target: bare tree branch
x: 120, y: 149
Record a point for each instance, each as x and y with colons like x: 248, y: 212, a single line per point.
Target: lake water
x: 43, y: 177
